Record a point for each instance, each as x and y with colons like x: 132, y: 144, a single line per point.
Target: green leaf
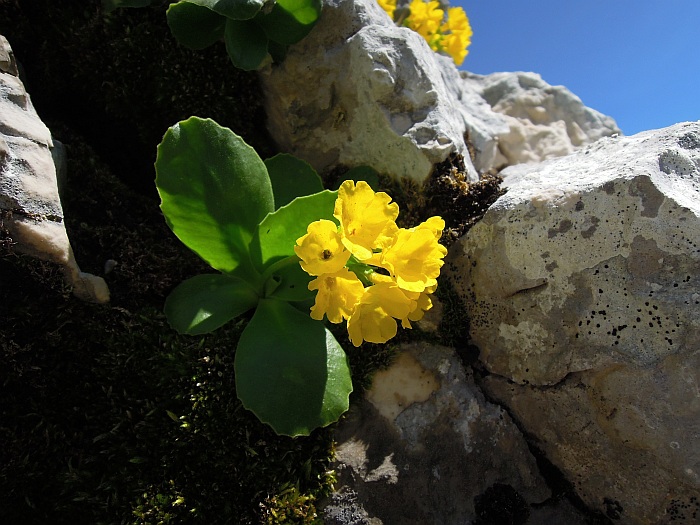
x: 246, y: 44
x: 277, y: 51
x: 358, y: 173
x: 111, y: 5
x: 195, y: 26
x: 235, y: 9
x: 205, y: 302
x: 291, y: 178
x: 292, y: 283
x: 214, y: 190
x: 290, y: 371
x: 278, y: 232
x: 290, y: 20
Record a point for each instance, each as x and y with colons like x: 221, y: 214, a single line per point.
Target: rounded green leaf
x: 291, y: 178
x: 292, y: 283
x: 290, y: 371
x: 246, y: 45
x: 195, y: 26
x: 214, y: 190
x: 358, y: 173
x: 278, y: 232
x: 235, y: 9
x: 205, y: 302
x: 290, y: 20
x: 277, y: 51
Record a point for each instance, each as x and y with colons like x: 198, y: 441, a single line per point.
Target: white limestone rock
x: 543, y: 121
x: 582, y: 289
x: 29, y: 199
x: 360, y: 91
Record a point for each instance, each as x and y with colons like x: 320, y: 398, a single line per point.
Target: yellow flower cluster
x: 399, y: 266
x: 445, y: 32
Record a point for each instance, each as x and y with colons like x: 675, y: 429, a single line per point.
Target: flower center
x: 326, y: 254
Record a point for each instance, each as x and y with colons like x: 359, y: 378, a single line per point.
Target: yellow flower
x: 423, y: 304
x: 321, y: 250
x: 445, y: 32
x: 367, y: 219
x: 457, y: 21
x: 414, y: 258
x: 457, y: 34
x: 421, y: 300
x: 434, y: 224
x: 338, y: 295
x: 373, y: 318
x: 425, y: 18
x: 389, y: 6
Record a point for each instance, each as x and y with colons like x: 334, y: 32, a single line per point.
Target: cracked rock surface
x: 543, y: 121
x: 424, y: 443
x: 582, y: 288
x: 31, y: 208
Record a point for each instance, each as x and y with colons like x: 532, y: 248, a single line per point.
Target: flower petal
x: 415, y: 258
x: 321, y: 250
x: 367, y: 219
x: 373, y: 318
x: 338, y: 295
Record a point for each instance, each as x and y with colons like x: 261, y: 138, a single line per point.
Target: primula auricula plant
x: 252, y: 30
x: 367, y: 270
x: 446, y: 30
x: 277, y: 238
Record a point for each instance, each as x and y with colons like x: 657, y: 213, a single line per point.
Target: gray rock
x: 543, y: 121
x: 424, y: 443
x: 29, y: 200
x: 342, y: 508
x: 360, y: 91
x: 582, y: 288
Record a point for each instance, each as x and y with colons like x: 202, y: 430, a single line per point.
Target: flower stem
x: 362, y: 270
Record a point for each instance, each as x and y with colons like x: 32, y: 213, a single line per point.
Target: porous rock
x: 424, y: 443
x: 29, y: 201
x: 543, y: 121
x: 582, y: 288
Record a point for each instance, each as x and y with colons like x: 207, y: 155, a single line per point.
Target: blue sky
x: 637, y: 61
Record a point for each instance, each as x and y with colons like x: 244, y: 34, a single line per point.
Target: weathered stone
x: 29, y: 199
x: 543, y: 121
x: 360, y: 91
x: 342, y: 508
x: 582, y: 288
x: 424, y: 443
